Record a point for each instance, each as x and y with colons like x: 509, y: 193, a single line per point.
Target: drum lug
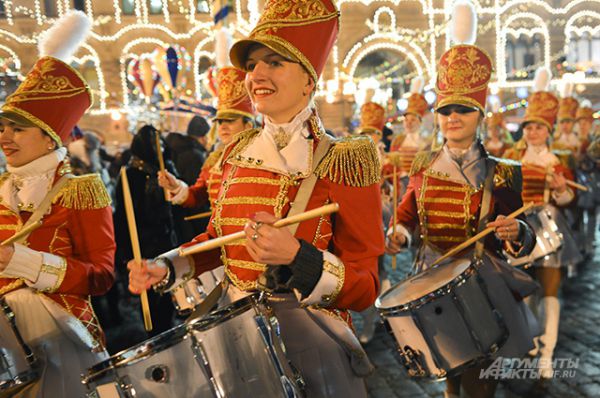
x: 202, y: 360
x: 412, y: 361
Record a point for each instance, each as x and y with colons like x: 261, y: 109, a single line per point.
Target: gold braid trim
x: 84, y: 192
x: 11, y: 286
x: 509, y: 173
x: 422, y: 160
x: 239, y: 142
x: 3, y: 177
x: 351, y: 161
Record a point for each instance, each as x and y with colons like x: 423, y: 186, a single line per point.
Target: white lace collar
x: 27, y: 185
x: 294, y: 159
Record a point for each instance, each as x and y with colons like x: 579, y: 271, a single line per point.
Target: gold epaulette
x: 565, y: 157
x: 508, y: 174
x: 513, y: 153
x: 422, y: 160
x: 399, y: 139
x: 393, y: 158
x: 239, y: 142
x: 213, y: 157
x: 86, y: 192
x: 351, y: 161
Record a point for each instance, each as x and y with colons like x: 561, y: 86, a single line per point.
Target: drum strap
x: 45, y: 204
x: 308, y: 184
x: 486, y: 200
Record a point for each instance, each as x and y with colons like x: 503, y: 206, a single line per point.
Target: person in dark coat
x: 153, y: 216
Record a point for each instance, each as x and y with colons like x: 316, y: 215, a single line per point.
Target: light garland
x: 198, y: 53
x: 570, y: 29
x: 501, y: 46
x: 8, y: 11
x: 88, y: 9
x: 384, y: 46
x: 13, y: 55
x: 165, y: 9
x: 117, y: 7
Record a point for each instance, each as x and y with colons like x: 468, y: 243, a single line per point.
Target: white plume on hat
x: 417, y: 84
x: 463, y: 26
x: 542, y: 78
x: 586, y: 103
x: 223, y: 43
x: 566, y: 86
x: 495, y: 104
x: 65, y: 36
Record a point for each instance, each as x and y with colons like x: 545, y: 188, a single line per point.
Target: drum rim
x: 443, y: 290
x: 146, y: 348
x: 20, y: 380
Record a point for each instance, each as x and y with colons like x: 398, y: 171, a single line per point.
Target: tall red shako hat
x: 300, y: 30
x: 53, y: 96
x: 417, y: 104
x: 464, y: 70
x: 542, y: 105
x: 567, y: 104
x: 232, y: 95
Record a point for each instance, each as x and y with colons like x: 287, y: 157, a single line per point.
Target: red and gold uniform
x: 444, y: 198
x: 263, y: 170
x: 233, y: 103
x: 567, y: 110
x: 407, y: 145
x: 57, y: 267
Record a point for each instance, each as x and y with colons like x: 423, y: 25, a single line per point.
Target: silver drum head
x: 422, y: 284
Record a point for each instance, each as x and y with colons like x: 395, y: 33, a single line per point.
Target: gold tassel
x: 213, y: 157
x: 351, y: 161
x: 422, y: 160
x: 84, y: 192
x: 394, y: 159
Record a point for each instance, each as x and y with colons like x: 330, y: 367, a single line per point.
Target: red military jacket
x: 349, y: 175
x: 447, y: 211
x: 535, y: 184
x: 208, y: 183
x: 79, y: 228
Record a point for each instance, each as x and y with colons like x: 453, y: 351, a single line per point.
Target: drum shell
x: 18, y: 366
x: 544, y: 220
x: 450, y: 329
x: 226, y: 353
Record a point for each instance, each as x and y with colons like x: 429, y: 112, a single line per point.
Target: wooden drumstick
x: 479, y: 236
x: 395, y: 206
x: 161, y: 160
x: 284, y: 222
x: 570, y: 183
x: 25, y: 231
x: 135, y: 244
x: 197, y: 216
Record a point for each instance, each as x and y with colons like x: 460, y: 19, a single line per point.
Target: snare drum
x: 442, y: 320
x: 548, y: 236
x: 235, y: 351
x: 18, y: 366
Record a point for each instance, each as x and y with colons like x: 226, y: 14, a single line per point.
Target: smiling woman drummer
x: 457, y: 190
x: 330, y: 263
x: 47, y: 277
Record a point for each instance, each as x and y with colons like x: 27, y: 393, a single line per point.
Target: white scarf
x: 539, y: 155
x: 295, y: 158
x: 29, y: 184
